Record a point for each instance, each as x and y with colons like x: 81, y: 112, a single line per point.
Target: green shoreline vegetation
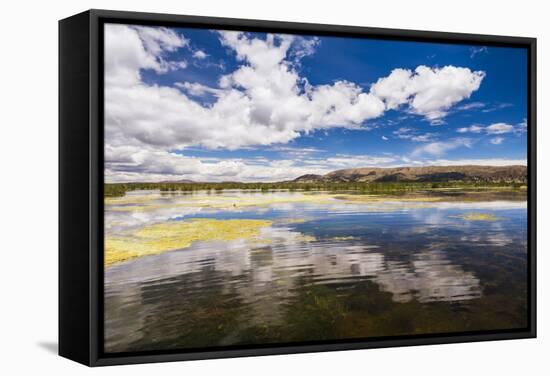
x: 120, y: 189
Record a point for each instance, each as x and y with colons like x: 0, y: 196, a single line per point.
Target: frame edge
x: 93, y: 17
x: 74, y: 247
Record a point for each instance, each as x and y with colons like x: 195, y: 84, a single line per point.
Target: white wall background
x: 28, y: 212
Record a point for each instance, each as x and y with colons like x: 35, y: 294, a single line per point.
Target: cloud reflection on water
x: 401, y: 247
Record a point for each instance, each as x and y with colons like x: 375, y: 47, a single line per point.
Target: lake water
x: 327, y: 267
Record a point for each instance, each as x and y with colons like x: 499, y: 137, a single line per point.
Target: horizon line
x: 191, y: 181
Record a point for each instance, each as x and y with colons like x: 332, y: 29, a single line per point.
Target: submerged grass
x: 164, y: 237
x: 477, y: 217
x: 343, y: 238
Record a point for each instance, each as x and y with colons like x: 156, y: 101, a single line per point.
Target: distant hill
x: 510, y: 174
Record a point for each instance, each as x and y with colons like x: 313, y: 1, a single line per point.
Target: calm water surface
x: 326, y: 270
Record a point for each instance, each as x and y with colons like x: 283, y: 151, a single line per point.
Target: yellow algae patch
x: 294, y: 220
x: 343, y: 238
x: 477, y: 217
x: 305, y: 238
x: 119, y: 249
x: 382, y: 198
x: 164, y: 237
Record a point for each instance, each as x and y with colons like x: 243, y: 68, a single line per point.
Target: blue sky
x: 209, y: 105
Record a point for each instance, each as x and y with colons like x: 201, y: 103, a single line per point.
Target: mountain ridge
x: 464, y: 173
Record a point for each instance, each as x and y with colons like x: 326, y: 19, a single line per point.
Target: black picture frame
x: 81, y: 185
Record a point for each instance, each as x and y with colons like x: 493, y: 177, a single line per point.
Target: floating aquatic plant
x: 169, y: 236
x: 477, y: 217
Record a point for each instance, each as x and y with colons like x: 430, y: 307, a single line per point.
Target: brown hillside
x: 516, y: 174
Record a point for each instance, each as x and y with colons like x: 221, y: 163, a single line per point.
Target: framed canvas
x: 236, y: 187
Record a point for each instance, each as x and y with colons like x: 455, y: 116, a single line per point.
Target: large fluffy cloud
x: 427, y: 91
x: 128, y: 49
x: 263, y: 102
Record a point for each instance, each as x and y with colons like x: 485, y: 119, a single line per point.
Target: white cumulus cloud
x: 496, y: 128
x: 439, y: 148
x: 263, y: 102
x: 499, y: 128
x: 476, y: 162
x: 472, y: 128
x: 135, y: 163
x: 128, y: 49
x: 426, y: 91
x: 406, y: 133
x: 200, y: 54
